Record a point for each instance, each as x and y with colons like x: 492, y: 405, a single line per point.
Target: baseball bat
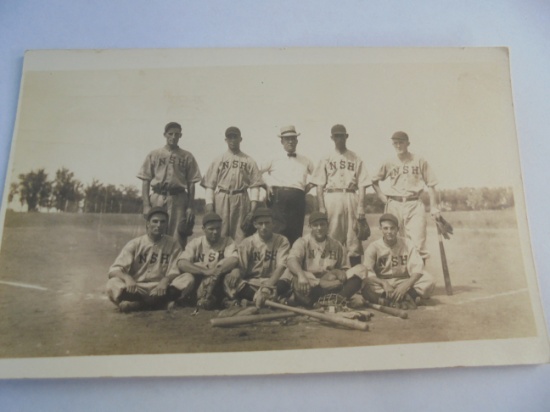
x: 245, y: 320
x: 349, y: 323
x: 400, y: 313
x: 446, y: 274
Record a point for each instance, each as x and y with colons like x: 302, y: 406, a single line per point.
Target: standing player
x: 338, y: 177
x: 286, y: 178
x: 170, y: 173
x: 206, y: 260
x: 316, y: 264
x: 262, y: 261
x: 137, y: 278
x: 395, y: 269
x: 408, y: 174
x: 227, y: 181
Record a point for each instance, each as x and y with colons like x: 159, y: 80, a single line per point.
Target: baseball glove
x: 361, y: 229
x: 185, y: 226
x: 444, y: 227
x: 205, y: 293
x: 247, y: 226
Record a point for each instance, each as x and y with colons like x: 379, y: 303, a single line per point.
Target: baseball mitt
x: 247, y: 226
x: 185, y: 226
x: 444, y: 227
x: 361, y: 229
x: 205, y: 293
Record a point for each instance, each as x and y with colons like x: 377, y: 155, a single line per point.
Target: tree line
x: 65, y: 193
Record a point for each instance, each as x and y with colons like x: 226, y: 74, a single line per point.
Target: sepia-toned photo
x: 259, y: 211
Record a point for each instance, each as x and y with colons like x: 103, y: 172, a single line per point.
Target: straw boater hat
x: 288, y: 131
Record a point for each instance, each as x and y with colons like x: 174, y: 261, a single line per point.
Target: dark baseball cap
x: 388, y: 217
x: 232, y: 131
x: 172, y: 125
x: 155, y: 210
x: 262, y: 212
x: 316, y: 216
x: 338, y: 129
x: 211, y: 217
x: 400, y: 136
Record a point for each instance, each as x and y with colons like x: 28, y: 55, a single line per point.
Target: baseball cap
x: 316, y: 216
x: 172, y: 125
x: 288, y: 131
x: 401, y: 136
x: 388, y: 217
x: 155, y: 210
x: 232, y: 131
x: 211, y: 217
x: 262, y: 212
x: 338, y: 129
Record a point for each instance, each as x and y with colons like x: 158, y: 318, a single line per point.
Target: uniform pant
x: 116, y: 290
x: 290, y: 203
x: 424, y: 286
x: 232, y: 209
x: 175, y: 205
x: 412, y: 222
x: 233, y: 292
x: 342, y: 212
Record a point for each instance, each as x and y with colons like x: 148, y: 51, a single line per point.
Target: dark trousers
x: 290, y: 205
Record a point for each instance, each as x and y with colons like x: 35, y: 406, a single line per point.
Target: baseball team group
x: 253, y: 249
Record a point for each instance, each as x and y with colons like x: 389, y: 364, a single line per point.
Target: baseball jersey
x: 396, y: 262
x: 407, y: 177
x: 318, y: 258
x: 145, y: 260
x: 171, y: 169
x: 232, y: 171
x: 339, y: 170
x: 287, y: 171
x: 201, y: 253
x: 258, y: 259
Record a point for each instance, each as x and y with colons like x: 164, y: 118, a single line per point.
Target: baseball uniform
x: 258, y: 259
x: 316, y: 259
x: 202, y: 253
x: 170, y: 173
x: 287, y: 175
x: 147, y: 262
x: 230, y: 175
x: 408, y: 178
x: 342, y: 174
x: 396, y: 263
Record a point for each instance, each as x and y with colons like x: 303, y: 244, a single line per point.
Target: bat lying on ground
x: 349, y: 323
x: 248, y: 319
x: 390, y: 311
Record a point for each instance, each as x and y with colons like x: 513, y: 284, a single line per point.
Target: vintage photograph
x: 244, y: 211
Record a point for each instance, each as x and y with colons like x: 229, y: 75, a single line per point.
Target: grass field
x: 53, y: 271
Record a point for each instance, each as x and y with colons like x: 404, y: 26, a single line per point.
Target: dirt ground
x: 52, y: 303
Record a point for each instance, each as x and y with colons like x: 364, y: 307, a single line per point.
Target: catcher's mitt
x: 361, y: 229
x: 185, y: 226
x: 247, y: 226
x: 205, y: 293
x: 444, y: 227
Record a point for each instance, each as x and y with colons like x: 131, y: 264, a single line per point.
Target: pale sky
x: 101, y: 123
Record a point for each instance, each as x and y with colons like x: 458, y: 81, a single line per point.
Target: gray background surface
x: 524, y: 26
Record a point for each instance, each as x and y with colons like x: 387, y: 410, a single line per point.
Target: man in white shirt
x: 286, y: 177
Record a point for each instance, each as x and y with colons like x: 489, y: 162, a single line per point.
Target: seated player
x: 262, y: 261
x: 205, y: 261
x: 316, y: 265
x: 395, y: 269
x: 138, y: 277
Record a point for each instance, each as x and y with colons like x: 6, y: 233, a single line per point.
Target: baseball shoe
x: 420, y: 301
x: 127, y: 306
x: 228, y: 303
x: 408, y: 303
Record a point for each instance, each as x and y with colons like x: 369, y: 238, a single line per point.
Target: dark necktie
x: 291, y: 154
